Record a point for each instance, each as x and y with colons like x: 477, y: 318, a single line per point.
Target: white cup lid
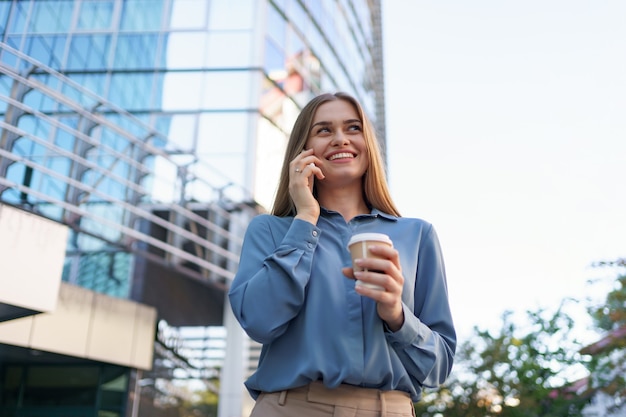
x: 360, y: 237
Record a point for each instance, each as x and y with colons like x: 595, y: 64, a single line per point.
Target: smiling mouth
x: 341, y: 155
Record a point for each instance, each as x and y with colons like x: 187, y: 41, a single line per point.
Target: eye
x: 355, y: 128
x: 323, y: 130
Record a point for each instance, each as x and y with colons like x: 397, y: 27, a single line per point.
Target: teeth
x: 341, y: 155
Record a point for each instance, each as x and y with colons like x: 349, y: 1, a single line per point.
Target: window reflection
x: 186, y: 50
x: 232, y: 14
x: 142, y: 14
x: 95, y: 14
x: 188, y: 14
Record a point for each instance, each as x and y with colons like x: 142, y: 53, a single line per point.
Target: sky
x: 506, y: 129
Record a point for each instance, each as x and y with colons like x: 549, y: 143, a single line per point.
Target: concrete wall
x: 32, y: 250
x: 89, y: 325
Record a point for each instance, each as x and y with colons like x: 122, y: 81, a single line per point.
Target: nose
x: 340, y: 138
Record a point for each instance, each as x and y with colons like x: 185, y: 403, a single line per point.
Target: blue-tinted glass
x: 136, y: 51
x: 274, y: 58
x: 5, y: 7
x: 89, y: 52
x: 51, y: 16
x: 18, y: 18
x: 142, y: 15
x: 295, y: 45
x: 95, y: 83
x: 131, y: 91
x: 48, y: 50
x: 180, y: 128
x: 276, y: 26
x: 64, y: 140
x: 95, y: 14
x: 298, y: 16
x: 315, y: 7
x: 77, y: 94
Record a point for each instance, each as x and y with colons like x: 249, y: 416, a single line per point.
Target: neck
x: 346, y: 201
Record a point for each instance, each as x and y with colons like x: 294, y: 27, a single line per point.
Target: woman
x: 330, y: 347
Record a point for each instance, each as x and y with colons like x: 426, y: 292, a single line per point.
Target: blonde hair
x: 375, y: 189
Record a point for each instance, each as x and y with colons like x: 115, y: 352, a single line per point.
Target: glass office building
x: 154, y: 130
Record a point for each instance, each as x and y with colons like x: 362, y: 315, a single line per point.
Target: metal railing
x: 85, y: 162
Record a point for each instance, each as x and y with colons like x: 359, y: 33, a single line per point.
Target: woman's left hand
x: 387, y: 274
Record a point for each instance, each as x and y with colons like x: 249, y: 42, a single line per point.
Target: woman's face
x: 336, y: 137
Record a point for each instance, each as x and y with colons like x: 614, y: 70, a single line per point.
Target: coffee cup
x: 358, y: 247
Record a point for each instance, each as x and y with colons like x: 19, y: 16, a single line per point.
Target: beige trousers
x: 315, y: 400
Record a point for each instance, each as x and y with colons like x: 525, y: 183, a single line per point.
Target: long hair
x: 375, y: 189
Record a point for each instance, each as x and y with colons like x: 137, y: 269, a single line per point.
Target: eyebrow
x: 325, y: 123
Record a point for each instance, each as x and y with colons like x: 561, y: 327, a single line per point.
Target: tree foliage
x: 607, y: 367
x: 520, y: 370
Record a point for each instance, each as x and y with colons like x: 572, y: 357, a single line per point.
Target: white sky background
x: 506, y: 128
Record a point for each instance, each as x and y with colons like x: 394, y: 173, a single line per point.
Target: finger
x: 348, y: 272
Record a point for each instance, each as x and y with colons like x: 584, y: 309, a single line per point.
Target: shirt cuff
x: 409, y: 331
x: 302, y: 235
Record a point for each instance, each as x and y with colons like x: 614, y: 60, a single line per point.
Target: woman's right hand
x: 303, y: 170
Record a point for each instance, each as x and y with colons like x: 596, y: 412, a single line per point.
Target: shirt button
x: 315, y: 233
x: 309, y: 245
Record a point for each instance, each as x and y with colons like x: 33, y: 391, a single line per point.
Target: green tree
x: 520, y: 370
x: 607, y: 366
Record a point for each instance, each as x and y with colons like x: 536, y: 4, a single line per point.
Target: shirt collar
x: 374, y: 213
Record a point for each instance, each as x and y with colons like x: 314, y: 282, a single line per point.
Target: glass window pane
x: 47, y: 49
x: 276, y: 26
x: 61, y: 385
x: 227, y: 90
x: 95, y: 14
x: 188, y: 14
x: 232, y: 14
x: 230, y: 49
x: 181, y: 91
x: 186, y: 50
x: 274, y: 64
x: 222, y: 133
x: 51, y: 16
x: 142, y: 14
x: 135, y: 51
x: 89, y: 52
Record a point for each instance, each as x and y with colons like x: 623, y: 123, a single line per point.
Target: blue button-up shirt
x: 290, y: 295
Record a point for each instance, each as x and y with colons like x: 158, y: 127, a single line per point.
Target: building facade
x: 152, y: 131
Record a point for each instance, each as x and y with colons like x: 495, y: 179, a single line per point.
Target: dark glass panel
x: 60, y: 385
x: 10, y: 387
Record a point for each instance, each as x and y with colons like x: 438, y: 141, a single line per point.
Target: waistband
x: 352, y: 396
